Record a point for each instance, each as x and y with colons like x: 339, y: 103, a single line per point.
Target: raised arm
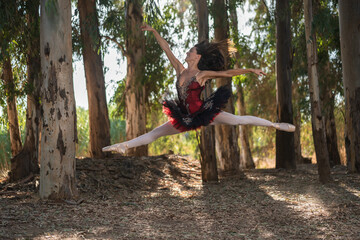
x: 203, y: 76
x: 165, y: 46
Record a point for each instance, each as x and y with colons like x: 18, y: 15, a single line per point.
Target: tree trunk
x: 349, y: 18
x: 95, y: 83
x: 285, y: 152
x: 297, y: 136
x: 26, y: 162
x: 57, y: 154
x: 207, y: 139
x: 226, y: 136
x: 14, y: 130
x: 318, y: 123
x: 328, y: 84
x: 135, y: 111
x: 246, y: 160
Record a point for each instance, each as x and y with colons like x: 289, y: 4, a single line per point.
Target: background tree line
x: 312, y: 81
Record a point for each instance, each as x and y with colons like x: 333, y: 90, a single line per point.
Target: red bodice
x: 189, y: 95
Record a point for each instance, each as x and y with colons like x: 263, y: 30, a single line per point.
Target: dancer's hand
x: 259, y: 72
x: 146, y: 27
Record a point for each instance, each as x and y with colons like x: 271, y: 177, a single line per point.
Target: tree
x: 226, y: 136
x: 318, y: 123
x: 246, y: 160
x: 95, y: 84
x: 349, y: 19
x: 207, y: 139
x: 57, y: 154
x: 26, y: 162
x: 135, y: 111
x: 14, y: 129
x: 285, y: 154
x: 9, y: 30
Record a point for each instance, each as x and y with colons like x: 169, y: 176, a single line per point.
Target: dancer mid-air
x: 205, y: 61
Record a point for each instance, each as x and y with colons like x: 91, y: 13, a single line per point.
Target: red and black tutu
x: 189, y: 112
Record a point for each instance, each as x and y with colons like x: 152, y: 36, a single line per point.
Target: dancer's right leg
x: 163, y: 130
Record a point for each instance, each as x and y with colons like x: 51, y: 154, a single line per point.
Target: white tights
x: 167, y: 129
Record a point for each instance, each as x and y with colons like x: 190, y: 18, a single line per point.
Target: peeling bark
x: 57, y: 153
x: 318, y: 123
x: 135, y: 111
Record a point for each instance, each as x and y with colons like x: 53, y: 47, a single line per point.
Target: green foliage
x: 82, y: 122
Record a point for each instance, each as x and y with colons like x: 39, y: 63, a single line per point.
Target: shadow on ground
x: 162, y: 197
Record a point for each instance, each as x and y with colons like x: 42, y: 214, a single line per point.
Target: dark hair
x: 212, y: 57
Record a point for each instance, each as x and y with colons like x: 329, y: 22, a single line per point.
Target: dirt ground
x: 163, y: 198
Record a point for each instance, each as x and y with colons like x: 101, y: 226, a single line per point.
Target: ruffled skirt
x: 183, y: 120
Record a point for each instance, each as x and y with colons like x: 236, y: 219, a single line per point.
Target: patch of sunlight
x: 4, y: 174
x: 352, y: 190
x: 264, y: 233
x: 305, y: 204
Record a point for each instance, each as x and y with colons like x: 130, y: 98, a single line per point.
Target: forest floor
x: 162, y: 197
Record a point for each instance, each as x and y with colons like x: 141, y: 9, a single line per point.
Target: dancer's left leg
x: 163, y: 130
x: 231, y: 119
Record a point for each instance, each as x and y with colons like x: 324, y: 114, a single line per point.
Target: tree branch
x: 117, y: 43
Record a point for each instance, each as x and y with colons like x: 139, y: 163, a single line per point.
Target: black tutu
x: 190, y: 112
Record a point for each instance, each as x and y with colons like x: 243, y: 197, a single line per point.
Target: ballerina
x: 205, y: 61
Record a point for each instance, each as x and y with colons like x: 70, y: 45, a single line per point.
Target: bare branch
x: 117, y: 43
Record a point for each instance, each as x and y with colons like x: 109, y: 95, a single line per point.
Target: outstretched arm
x: 165, y: 46
x: 203, y: 76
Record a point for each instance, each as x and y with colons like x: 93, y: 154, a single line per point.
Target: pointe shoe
x: 120, y: 148
x: 287, y: 127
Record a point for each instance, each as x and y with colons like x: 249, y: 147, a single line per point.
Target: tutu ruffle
x: 181, y: 118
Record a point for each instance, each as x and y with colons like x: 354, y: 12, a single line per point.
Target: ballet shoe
x: 287, y: 127
x: 120, y: 148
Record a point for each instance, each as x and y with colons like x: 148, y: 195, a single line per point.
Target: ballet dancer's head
x: 211, y: 55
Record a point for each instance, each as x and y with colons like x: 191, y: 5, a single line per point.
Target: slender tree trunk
x: 297, y: 122
x: 14, y: 130
x: 226, y: 136
x: 57, y: 154
x: 207, y: 139
x: 95, y: 83
x: 246, y: 160
x: 297, y: 136
x: 349, y: 18
x: 328, y: 85
x: 285, y: 152
x: 135, y: 91
x: 26, y: 162
x: 318, y: 123
x: 330, y: 128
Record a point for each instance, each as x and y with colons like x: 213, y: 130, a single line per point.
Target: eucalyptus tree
x: 246, y: 160
x: 349, y: 18
x: 325, y: 23
x: 226, y: 136
x: 285, y: 154
x: 26, y: 162
x: 207, y: 140
x: 10, y: 28
x: 57, y: 154
x: 95, y: 83
x: 318, y: 122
